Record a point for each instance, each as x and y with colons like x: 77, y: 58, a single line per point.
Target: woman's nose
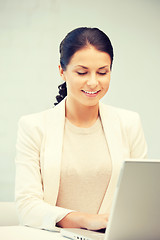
x: 92, y: 81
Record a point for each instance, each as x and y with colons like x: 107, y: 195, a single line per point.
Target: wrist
x: 72, y: 220
x: 78, y: 219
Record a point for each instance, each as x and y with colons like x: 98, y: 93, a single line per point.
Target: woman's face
x: 87, y: 76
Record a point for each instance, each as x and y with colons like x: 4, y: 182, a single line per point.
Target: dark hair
x: 76, y: 40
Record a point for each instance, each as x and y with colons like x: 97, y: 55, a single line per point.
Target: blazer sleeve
x: 32, y: 209
x: 138, y: 146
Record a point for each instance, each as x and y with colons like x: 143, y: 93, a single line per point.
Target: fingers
x: 96, y: 222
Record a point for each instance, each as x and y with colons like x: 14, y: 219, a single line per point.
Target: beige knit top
x: 85, y: 169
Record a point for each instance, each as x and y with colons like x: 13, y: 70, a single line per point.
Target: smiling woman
x: 80, y: 39
x: 69, y: 157
x: 87, y: 82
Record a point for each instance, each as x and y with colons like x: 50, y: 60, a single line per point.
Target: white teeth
x: 90, y: 92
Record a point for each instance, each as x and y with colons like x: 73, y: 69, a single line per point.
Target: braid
x: 62, y: 93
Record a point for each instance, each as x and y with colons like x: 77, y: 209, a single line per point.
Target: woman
x: 69, y: 157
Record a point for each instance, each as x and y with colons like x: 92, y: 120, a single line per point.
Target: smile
x: 90, y: 92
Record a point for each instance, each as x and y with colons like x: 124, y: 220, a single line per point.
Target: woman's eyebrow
x: 87, y: 68
x: 82, y: 66
x: 103, y: 67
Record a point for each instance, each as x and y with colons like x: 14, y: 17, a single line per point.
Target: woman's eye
x: 102, y: 73
x: 80, y: 73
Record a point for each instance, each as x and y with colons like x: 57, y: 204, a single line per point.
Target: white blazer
x: 38, y: 159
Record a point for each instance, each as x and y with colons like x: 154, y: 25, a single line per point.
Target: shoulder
x: 35, y: 127
x: 35, y: 119
x: 38, y: 124
x: 125, y: 117
x: 119, y: 112
x: 43, y: 118
x: 32, y: 127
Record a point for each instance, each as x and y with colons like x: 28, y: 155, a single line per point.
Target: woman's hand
x: 84, y: 220
x: 95, y: 221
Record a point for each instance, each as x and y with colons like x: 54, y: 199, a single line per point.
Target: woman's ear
x: 61, y: 71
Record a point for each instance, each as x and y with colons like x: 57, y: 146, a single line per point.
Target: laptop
x: 135, y: 213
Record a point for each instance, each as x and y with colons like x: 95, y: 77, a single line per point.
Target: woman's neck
x: 81, y: 115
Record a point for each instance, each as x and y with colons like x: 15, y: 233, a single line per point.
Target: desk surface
x: 27, y: 233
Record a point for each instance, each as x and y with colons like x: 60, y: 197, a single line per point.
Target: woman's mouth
x: 91, y: 93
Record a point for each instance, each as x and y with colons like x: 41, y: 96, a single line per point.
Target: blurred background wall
x: 30, y: 33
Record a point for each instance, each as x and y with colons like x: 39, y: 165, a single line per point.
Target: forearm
x: 39, y: 214
x: 83, y: 220
x: 72, y: 220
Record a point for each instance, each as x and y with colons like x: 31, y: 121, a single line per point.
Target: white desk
x: 27, y: 233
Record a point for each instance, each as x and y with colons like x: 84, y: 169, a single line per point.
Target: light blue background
x: 30, y: 33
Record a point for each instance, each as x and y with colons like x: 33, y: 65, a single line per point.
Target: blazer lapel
x: 53, y: 152
x: 112, y: 132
